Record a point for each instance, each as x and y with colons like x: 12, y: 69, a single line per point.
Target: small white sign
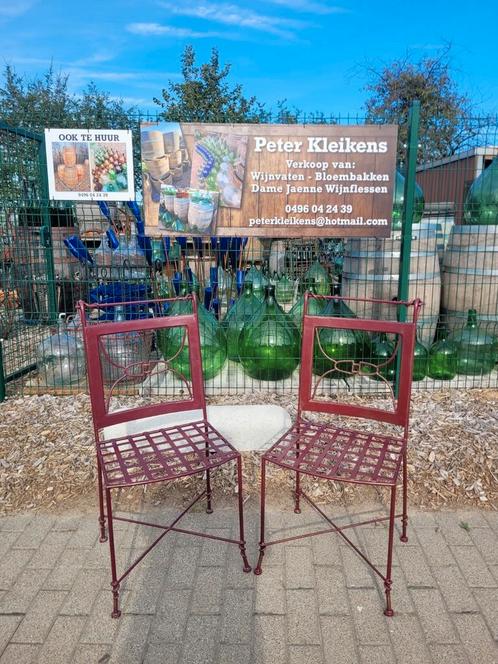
x: 90, y: 164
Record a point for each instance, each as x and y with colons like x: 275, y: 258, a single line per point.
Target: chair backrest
x: 96, y: 336
x: 405, y: 334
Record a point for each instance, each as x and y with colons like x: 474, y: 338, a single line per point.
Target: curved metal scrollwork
x: 137, y: 371
x: 351, y: 368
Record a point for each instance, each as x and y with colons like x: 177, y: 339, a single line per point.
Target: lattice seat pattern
x: 164, y: 454
x: 336, y: 453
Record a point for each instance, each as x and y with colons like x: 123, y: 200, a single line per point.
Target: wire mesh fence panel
x: 251, y: 291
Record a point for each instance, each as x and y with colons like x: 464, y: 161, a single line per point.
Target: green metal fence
x: 449, y: 259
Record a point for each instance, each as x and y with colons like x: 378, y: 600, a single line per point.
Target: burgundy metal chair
x: 165, y: 453
x: 344, y: 454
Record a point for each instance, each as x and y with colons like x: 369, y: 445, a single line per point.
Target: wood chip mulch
x: 47, y: 453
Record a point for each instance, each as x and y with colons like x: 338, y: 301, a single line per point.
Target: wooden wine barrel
x: 158, y: 168
x: 152, y: 145
x: 371, y: 270
x: 470, y: 276
x: 70, y: 176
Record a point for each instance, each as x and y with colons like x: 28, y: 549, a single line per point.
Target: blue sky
x: 311, y: 52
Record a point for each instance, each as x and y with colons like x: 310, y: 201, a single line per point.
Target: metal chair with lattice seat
x: 140, y: 445
x: 324, y: 449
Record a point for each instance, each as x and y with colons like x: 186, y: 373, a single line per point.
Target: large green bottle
x: 399, y: 198
x: 237, y: 316
x: 382, y: 359
x: 481, y: 203
x: 443, y: 359
x: 476, y: 349
x: 315, y: 307
x: 320, y: 276
x: 335, y: 349
x: 213, y: 340
x: 284, y: 290
x: 269, y: 342
x: 420, y: 361
x: 258, y: 281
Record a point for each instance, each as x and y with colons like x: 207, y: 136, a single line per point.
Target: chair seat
x: 164, y: 454
x: 334, y: 453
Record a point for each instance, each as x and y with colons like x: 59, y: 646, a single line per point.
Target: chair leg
x: 297, y: 495
x: 209, y: 509
x: 242, y: 545
x: 404, y: 518
x: 114, y: 585
x: 257, y: 569
x: 388, y: 580
x: 102, y: 535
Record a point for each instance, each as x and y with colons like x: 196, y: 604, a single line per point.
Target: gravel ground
x: 47, y: 455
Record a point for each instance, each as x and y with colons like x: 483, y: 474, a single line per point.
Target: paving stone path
x: 190, y: 603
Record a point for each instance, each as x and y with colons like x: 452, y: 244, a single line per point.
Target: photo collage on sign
x: 184, y: 185
x: 90, y: 164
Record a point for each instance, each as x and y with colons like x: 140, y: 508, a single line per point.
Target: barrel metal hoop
x: 384, y: 254
x: 470, y: 229
x: 473, y: 271
x: 426, y: 276
x: 471, y: 249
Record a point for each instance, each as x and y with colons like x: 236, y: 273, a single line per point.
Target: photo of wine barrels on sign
x: 275, y: 180
x: 89, y: 164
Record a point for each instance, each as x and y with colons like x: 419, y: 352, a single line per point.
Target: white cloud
x: 157, y: 29
x: 132, y: 101
x: 310, y: 7
x: 95, y: 58
x: 14, y: 8
x: 230, y: 14
x: 102, y: 75
x: 427, y: 47
x: 21, y: 60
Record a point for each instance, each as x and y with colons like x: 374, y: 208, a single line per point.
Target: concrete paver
x: 190, y: 602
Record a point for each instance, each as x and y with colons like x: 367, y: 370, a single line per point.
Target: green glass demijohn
x: 60, y: 358
x: 420, y: 361
x: 125, y: 352
x: 362, y: 338
x: 269, y: 342
x: 476, y: 349
x: 320, y: 276
x: 284, y: 290
x: 481, y: 203
x: 212, y: 337
x: 382, y: 350
x: 399, y: 199
x: 443, y: 359
x: 315, y: 306
x: 244, y: 309
x: 258, y: 281
x: 335, y: 349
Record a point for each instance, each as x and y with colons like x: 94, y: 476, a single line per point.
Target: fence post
x: 408, y: 208
x: 46, y: 234
x: 2, y: 374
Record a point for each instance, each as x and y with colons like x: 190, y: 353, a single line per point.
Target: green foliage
x: 44, y: 102
x: 36, y: 103
x: 206, y: 95
x: 446, y: 126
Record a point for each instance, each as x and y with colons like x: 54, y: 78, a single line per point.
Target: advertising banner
x: 90, y: 164
x: 268, y: 180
